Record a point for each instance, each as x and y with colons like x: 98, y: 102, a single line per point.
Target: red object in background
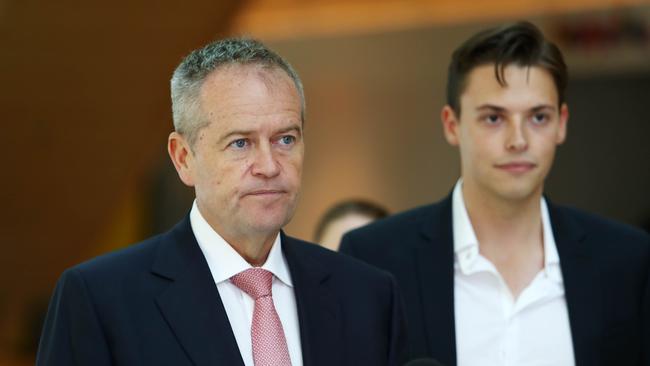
x: 596, y: 33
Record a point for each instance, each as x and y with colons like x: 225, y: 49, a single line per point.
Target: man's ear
x: 450, y: 125
x: 564, y: 119
x: 182, y: 157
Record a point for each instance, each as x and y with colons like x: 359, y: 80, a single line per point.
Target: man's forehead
x: 509, y: 74
x: 244, y: 99
x: 518, y: 84
x: 252, y: 70
x: 234, y: 81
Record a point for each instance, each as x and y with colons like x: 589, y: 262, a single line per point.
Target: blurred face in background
x: 335, y: 229
x: 507, y: 134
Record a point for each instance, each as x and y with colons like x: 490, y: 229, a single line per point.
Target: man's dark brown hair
x: 521, y: 44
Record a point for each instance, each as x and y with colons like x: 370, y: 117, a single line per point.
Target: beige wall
x: 373, y: 127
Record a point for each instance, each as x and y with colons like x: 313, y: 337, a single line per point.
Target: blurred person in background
x: 343, y: 217
x: 496, y: 273
x: 226, y: 286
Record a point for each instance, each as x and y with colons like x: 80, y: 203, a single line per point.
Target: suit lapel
x: 318, y: 311
x: 581, y: 286
x: 435, y: 265
x: 191, y: 303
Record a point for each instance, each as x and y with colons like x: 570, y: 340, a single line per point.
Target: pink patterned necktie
x: 269, y: 344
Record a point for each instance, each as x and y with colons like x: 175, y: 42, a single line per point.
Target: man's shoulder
x: 404, y: 222
x: 405, y: 228
x: 136, y: 257
x: 337, y: 264
x: 390, y: 243
x: 613, y: 241
x: 599, y: 227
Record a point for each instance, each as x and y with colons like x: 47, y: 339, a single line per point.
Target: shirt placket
x: 509, y: 338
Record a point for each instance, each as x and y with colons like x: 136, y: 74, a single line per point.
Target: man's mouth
x: 517, y: 166
x: 265, y: 192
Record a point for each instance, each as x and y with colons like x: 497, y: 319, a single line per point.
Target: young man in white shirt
x: 495, y: 274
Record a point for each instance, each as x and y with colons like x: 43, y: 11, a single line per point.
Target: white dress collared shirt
x: 491, y: 327
x: 225, y: 262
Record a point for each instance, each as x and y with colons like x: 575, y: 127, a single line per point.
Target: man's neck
x: 253, y: 246
x: 495, y: 219
x: 254, y: 249
x: 509, y: 233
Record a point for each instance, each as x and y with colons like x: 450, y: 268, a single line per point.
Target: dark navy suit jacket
x: 156, y: 303
x: 605, y: 267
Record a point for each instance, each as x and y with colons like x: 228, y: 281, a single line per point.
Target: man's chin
x: 268, y: 223
x: 517, y: 192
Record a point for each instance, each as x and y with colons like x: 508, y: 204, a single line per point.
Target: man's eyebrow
x: 490, y: 107
x: 294, y: 127
x: 496, y: 108
x: 235, y: 133
x: 542, y: 107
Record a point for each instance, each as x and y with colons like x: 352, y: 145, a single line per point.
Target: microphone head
x: 423, y: 362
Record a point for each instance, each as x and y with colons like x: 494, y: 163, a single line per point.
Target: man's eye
x: 287, y: 140
x: 239, y: 144
x: 492, y: 119
x: 540, y: 118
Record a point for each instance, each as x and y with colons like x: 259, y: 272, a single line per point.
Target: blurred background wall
x: 86, y: 112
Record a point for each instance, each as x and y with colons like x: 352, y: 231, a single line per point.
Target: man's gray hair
x: 191, y: 73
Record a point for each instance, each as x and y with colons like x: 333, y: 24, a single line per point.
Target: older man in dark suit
x: 226, y: 286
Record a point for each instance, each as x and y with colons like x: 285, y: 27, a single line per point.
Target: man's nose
x: 265, y: 164
x: 517, y: 139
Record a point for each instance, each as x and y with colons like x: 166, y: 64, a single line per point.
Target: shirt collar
x: 466, y: 245
x: 551, y: 256
x: 223, y: 259
x: 466, y: 250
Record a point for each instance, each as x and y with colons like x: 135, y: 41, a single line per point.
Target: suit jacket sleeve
x: 646, y: 322
x: 399, y: 351
x: 399, y: 346
x: 72, y: 333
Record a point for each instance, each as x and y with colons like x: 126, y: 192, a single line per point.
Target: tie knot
x: 256, y: 282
